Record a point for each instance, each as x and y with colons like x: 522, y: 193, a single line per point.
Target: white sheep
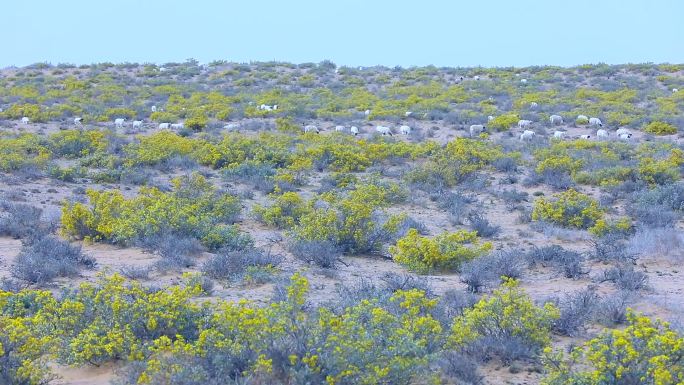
x: 476, y: 129
x: 595, y: 122
x: 339, y: 128
x: 585, y: 136
x: 523, y: 80
x: 477, y: 77
x: 164, y: 126
x: 119, y: 122
x: 384, y: 130
x: 534, y: 105
x: 77, y: 121
x: 311, y: 128
x: 354, y: 130
x: 621, y: 131
x: 275, y: 107
x: 25, y: 120
x: 367, y: 112
x: 408, y: 113
x: 674, y: 90
x: 582, y: 117
x: 154, y: 108
x: 522, y: 123
x: 556, y: 119
x: 559, y: 135
x: 231, y: 126
x: 602, y: 134
x: 137, y: 124
x: 625, y: 136
x: 490, y: 118
x: 405, y: 130
x: 527, y: 135
x: 178, y: 126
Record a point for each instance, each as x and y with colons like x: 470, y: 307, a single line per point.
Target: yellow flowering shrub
x: 193, y: 208
x: 645, y: 352
x: 503, y: 122
x: 445, y: 252
x: 22, y: 151
x: 285, y: 211
x: 660, y: 128
x: 570, y: 208
x: 507, y: 313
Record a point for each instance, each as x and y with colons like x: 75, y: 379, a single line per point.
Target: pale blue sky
x: 348, y: 32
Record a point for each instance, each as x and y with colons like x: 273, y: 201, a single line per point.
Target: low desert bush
x: 569, y: 263
x: 625, y: 277
x: 45, y: 258
x: 323, y: 254
x: 491, y: 268
x: 238, y: 265
x: 576, y: 309
x: 482, y: 226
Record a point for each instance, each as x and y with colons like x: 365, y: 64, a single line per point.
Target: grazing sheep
x: 275, y: 107
x: 674, y: 90
x: 231, y: 126
x: 522, y: 123
x: 585, y: 137
x: 405, y: 130
x: 559, y: 135
x: 556, y: 119
x: 154, y: 108
x: 625, y: 136
x: 477, y: 77
x: 119, y: 122
x: 367, y: 112
x: 77, y: 121
x: 476, y: 129
x: 527, y: 135
x: 582, y: 117
x: 311, y: 128
x: 621, y: 131
x: 25, y: 120
x: 490, y: 118
x: 595, y: 122
x: 408, y: 113
x: 137, y: 124
x: 178, y: 126
x: 164, y: 126
x: 383, y: 130
x: 602, y: 134
x: 354, y: 130
x: 523, y: 80
x: 339, y: 128
x: 534, y: 105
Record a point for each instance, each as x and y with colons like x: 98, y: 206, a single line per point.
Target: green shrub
x: 197, y: 121
x: 660, y: 128
x: 163, y: 117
